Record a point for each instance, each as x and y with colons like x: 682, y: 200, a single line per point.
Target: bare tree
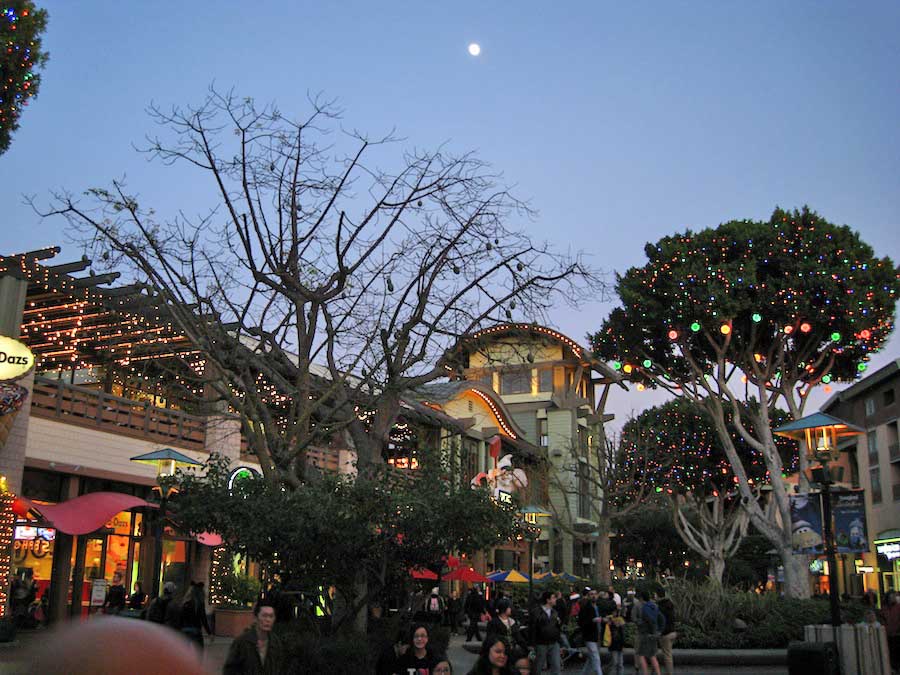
x: 319, y: 288
x: 619, y: 477
x: 713, y: 525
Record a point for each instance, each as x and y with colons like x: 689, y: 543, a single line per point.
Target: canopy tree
x: 318, y: 288
x: 21, y: 27
x: 747, y: 316
x: 333, y: 528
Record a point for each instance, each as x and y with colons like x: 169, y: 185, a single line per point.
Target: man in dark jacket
x: 257, y: 651
x: 545, y: 631
x: 156, y: 612
x: 590, y: 621
x: 474, y: 608
x: 667, y: 634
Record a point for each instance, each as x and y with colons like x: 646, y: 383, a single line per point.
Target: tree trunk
x: 716, y: 567
x: 796, y: 573
x: 602, y: 573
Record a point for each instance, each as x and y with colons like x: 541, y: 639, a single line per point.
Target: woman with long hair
x: 193, y: 615
x: 493, y: 658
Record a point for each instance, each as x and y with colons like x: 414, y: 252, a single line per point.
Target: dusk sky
x: 619, y: 122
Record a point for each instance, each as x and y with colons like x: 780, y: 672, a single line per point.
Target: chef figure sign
x: 503, y: 480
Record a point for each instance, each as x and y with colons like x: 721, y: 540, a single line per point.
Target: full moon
x: 474, y: 49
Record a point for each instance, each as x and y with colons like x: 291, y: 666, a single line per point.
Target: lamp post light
x: 531, y: 532
x: 820, y: 433
x: 166, y: 462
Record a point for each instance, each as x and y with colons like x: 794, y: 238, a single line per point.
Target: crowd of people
x: 556, y: 628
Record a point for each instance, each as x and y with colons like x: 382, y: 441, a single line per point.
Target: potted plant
x: 235, y: 614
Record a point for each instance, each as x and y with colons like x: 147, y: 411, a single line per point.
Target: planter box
x: 233, y: 622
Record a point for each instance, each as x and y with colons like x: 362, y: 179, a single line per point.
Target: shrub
x: 705, y: 615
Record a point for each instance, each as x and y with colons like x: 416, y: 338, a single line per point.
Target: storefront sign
x: 98, y: 592
x: 849, y: 509
x: 16, y: 359
x: 806, y: 524
x: 889, y: 549
x: 39, y: 547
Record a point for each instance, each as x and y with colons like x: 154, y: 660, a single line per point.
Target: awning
x: 466, y: 574
x: 86, y: 513
x: 209, y: 539
x: 421, y: 573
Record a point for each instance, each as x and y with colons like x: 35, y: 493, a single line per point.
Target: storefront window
x: 33, y: 554
x: 174, y: 562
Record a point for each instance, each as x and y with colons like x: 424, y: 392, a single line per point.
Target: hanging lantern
x: 673, y: 334
x: 805, y: 327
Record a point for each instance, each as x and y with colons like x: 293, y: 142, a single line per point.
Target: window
x: 543, y: 432
x: 515, y: 382
x: 872, y: 443
x: 584, y: 490
x: 870, y: 407
x: 888, y: 397
x: 43, y: 485
x: 487, y: 379
x: 545, y: 379
x: 875, y: 484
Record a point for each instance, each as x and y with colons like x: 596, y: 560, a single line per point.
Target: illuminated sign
x: 16, y: 359
x: 25, y: 532
x: 40, y: 547
x: 241, y: 473
x: 889, y: 549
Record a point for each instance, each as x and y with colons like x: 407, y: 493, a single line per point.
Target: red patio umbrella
x: 419, y: 573
x: 466, y: 574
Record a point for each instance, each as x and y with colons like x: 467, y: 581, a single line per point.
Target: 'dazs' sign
x: 16, y: 359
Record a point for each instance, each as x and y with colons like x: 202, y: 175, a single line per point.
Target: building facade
x: 555, y: 392
x: 874, y: 463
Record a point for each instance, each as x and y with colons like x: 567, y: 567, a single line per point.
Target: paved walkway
x: 12, y: 658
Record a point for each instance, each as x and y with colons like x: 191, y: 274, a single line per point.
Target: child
x: 617, y: 643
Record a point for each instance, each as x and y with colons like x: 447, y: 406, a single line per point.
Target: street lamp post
x: 532, y: 531
x: 820, y: 433
x: 166, y: 462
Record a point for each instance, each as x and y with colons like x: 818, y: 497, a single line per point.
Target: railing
x: 55, y: 399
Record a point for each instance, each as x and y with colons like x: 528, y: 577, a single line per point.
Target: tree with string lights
x: 21, y: 56
x: 747, y: 316
x: 679, y: 448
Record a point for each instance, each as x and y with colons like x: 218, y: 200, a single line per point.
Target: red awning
x: 466, y: 574
x: 86, y: 513
x: 419, y: 573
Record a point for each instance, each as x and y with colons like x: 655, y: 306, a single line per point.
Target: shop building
x: 107, y: 388
x: 555, y: 392
x: 874, y: 465
x: 102, y: 392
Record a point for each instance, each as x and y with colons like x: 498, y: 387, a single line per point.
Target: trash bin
x: 813, y: 658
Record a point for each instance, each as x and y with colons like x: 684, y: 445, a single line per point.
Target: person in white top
x: 616, y: 598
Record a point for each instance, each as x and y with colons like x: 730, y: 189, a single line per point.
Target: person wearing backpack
x: 156, y: 612
x: 650, y: 624
x: 667, y: 634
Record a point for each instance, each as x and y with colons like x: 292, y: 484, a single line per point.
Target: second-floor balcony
x: 82, y: 406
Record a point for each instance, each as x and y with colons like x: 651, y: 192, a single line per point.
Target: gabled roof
x: 440, y: 393
x: 503, y: 329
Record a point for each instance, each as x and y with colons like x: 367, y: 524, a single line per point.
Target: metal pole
x: 829, y: 551
x: 530, y: 571
x: 158, y: 544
